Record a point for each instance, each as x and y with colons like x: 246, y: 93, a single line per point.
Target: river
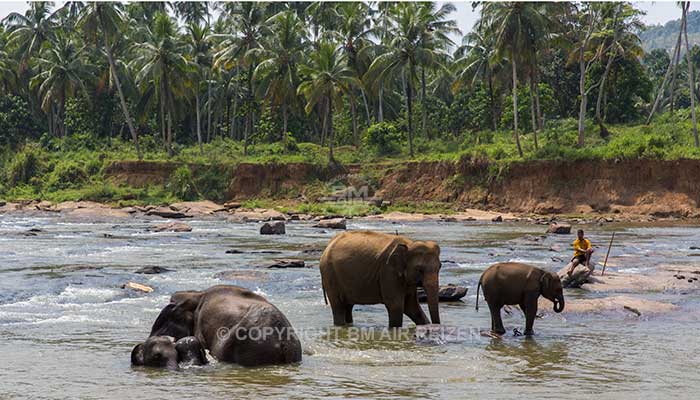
x: 67, y: 327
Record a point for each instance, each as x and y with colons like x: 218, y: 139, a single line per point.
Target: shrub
x: 24, y: 166
x: 180, y: 184
x: 384, y: 138
x: 67, y: 174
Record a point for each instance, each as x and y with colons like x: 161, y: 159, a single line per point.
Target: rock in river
x: 171, y: 227
x: 285, y: 263
x: 167, y: 212
x: 448, y: 292
x: 333, y: 223
x: 561, y: 229
x: 273, y: 228
x: 152, y: 269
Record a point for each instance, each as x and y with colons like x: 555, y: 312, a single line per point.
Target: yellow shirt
x: 580, y: 247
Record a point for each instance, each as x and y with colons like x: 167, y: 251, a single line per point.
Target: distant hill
x: 665, y: 36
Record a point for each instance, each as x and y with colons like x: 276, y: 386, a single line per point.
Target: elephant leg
x: 496, y: 321
x: 339, y: 314
x: 413, y: 310
x: 529, y: 307
x: 348, y: 313
x: 395, y: 315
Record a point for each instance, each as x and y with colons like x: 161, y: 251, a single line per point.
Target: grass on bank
x: 73, y: 168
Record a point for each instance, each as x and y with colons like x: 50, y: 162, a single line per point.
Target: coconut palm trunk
x: 122, y: 100
x: 533, y: 112
x: 515, y: 105
x: 329, y: 118
x: 199, y: 124
x: 584, y: 97
x: 409, y: 109
x: 424, y: 109
x: 691, y: 73
x: 601, y: 88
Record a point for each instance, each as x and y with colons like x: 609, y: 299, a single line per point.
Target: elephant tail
x: 477, y: 295
x: 325, y: 299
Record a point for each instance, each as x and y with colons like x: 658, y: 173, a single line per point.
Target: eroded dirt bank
x: 647, y: 187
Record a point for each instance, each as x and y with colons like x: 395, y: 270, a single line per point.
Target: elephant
x: 233, y: 323
x: 516, y: 283
x: 365, y: 267
x: 164, y: 351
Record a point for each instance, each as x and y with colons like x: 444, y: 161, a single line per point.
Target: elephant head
x: 419, y: 261
x: 165, y: 352
x: 177, y: 318
x: 551, y: 289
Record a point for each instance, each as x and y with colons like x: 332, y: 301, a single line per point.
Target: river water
x: 67, y: 328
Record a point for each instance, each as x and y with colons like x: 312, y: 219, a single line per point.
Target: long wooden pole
x: 608, y: 253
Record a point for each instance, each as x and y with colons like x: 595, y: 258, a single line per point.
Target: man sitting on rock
x: 582, y: 252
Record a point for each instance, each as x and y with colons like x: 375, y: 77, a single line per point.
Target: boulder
x: 497, y: 218
x: 258, y: 214
x: 152, y: 269
x: 197, y: 208
x: 559, y: 228
x: 448, y: 292
x: 232, y: 205
x: 333, y: 223
x: 242, y: 275
x: 273, y: 228
x: 581, y: 275
x: 171, y: 227
x: 285, y: 263
x: 167, y: 212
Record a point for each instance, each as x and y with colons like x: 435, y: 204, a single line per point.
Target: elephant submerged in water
x: 516, y: 283
x: 233, y: 323
x: 367, y: 267
x: 165, y: 352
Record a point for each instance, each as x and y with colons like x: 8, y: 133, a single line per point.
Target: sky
x: 658, y: 12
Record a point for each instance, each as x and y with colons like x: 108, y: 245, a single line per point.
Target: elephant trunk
x: 559, y: 304
x: 432, y: 288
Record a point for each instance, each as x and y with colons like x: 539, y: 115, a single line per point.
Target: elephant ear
x: 397, y: 259
x: 137, y: 355
x: 545, y: 282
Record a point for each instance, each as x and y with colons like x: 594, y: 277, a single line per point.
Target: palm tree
x: 192, y: 12
x: 235, y: 50
x: 29, y: 32
x: 353, y: 32
x: 280, y: 57
x: 63, y: 73
x: 328, y: 78
x: 105, y: 19
x: 200, y: 58
x: 435, y: 37
x: 586, y: 54
x: 402, y: 55
x: 622, y: 24
x: 475, y: 63
x: 162, y: 69
x: 8, y: 66
x: 685, y: 5
x: 514, y: 26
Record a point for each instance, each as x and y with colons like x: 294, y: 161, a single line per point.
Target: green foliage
x: 24, y: 166
x: 181, y: 185
x: 16, y: 121
x: 383, y: 138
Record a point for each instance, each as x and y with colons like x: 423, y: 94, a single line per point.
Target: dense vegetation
x: 89, y: 83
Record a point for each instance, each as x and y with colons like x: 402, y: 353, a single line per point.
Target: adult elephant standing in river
x: 233, y: 323
x: 375, y: 268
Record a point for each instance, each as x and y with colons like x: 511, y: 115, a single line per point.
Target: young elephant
x: 165, y: 352
x: 233, y: 323
x: 521, y: 284
x: 366, y: 267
